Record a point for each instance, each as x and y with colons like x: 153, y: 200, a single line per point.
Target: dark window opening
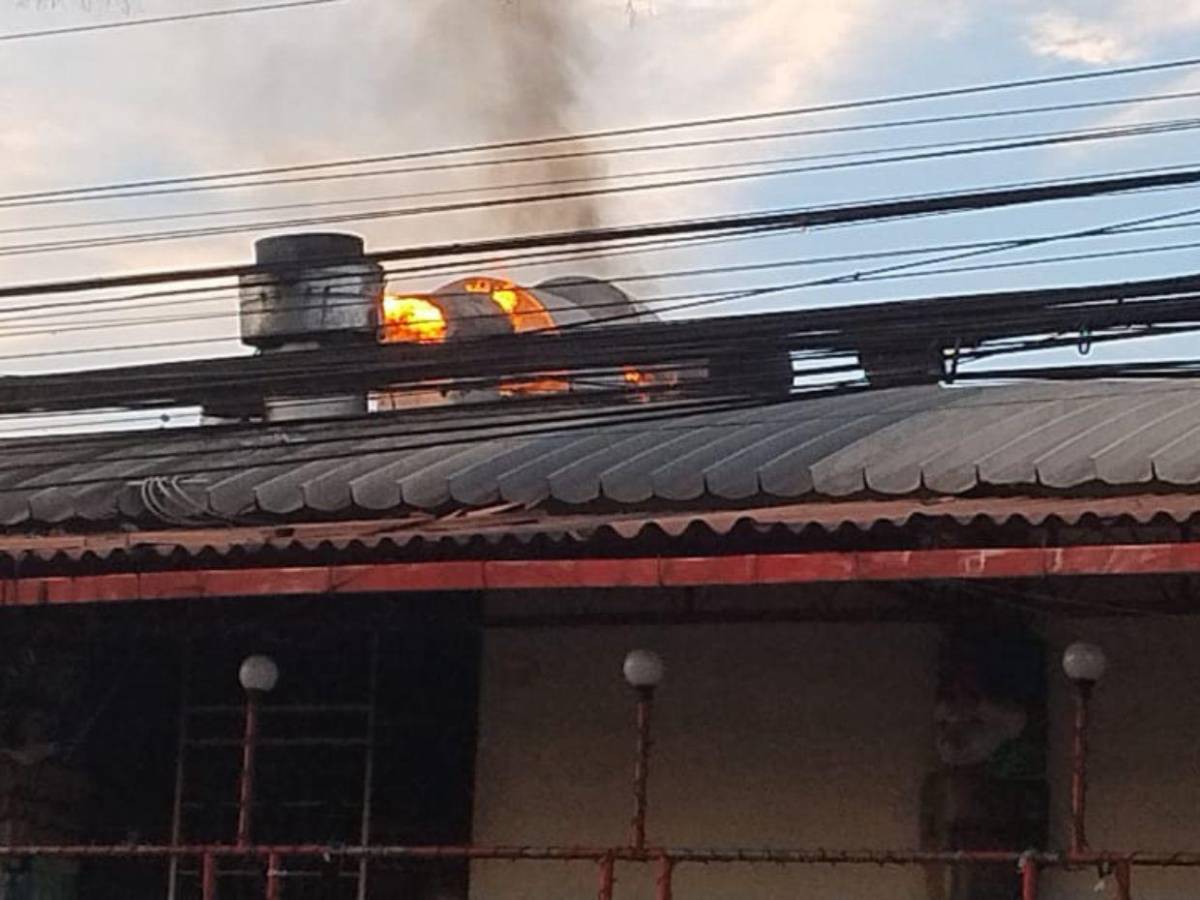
x: 374, y: 687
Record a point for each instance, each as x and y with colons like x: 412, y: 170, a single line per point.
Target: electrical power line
x: 473, y: 266
x: 930, y: 151
x: 645, y: 345
x: 186, y: 186
x: 1044, y: 261
x: 54, y: 321
x: 888, y: 100
x: 220, y: 293
x: 1074, y: 295
x: 376, y: 198
x: 602, y: 379
x: 859, y: 212
x: 398, y: 433
x: 943, y: 204
x: 1140, y: 334
x: 857, y: 276
x: 468, y: 415
x: 688, y: 300
x: 161, y: 20
x: 724, y: 297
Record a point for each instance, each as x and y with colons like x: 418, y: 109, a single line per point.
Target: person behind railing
x: 41, y: 796
x: 989, y: 791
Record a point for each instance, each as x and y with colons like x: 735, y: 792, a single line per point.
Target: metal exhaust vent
x: 313, y: 290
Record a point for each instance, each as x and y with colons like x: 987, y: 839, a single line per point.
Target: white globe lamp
x: 1084, y: 662
x: 258, y: 674
x: 643, y: 669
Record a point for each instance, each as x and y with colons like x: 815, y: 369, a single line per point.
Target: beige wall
x: 793, y: 735
x: 1145, y: 748
x: 802, y: 735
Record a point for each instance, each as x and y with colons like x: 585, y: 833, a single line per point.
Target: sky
x: 371, y: 77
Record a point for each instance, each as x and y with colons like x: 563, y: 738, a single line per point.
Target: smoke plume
x: 514, y: 67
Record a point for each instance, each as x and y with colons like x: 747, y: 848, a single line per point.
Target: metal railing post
x: 1123, y: 873
x: 364, y: 835
x: 246, y: 785
x: 1029, y: 878
x: 1084, y: 664
x: 208, y: 877
x: 1079, y: 753
x: 663, y: 886
x: 180, y: 751
x: 607, y: 879
x: 641, y: 769
x: 274, y: 874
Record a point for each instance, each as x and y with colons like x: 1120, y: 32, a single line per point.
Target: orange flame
x: 506, y: 299
x: 526, y: 313
x: 416, y: 318
x: 523, y: 309
x: 413, y: 320
x: 641, y: 379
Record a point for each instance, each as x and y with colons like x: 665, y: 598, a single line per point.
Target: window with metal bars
x: 368, y: 737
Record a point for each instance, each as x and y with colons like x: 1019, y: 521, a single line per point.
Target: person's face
x: 969, y: 727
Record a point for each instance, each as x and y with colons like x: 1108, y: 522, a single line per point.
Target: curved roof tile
x: 897, y: 442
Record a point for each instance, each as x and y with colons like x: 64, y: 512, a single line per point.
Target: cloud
x: 1063, y: 36
x: 692, y: 56
x: 1109, y: 31
x: 366, y: 78
x: 1155, y: 111
x: 683, y: 59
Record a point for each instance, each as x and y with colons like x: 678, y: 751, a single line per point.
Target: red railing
x: 643, y: 671
x: 1026, y: 866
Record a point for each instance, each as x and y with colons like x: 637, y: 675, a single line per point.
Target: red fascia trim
x: 643, y: 572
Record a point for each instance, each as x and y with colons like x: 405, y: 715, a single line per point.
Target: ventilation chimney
x: 312, y: 290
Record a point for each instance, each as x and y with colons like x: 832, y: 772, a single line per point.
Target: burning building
x: 350, y: 641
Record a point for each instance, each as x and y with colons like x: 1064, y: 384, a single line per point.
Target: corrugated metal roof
x: 492, y: 526
x: 927, y: 441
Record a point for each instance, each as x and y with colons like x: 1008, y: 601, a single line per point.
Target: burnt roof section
x: 916, y: 441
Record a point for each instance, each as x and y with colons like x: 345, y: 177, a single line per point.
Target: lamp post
x: 1085, y: 665
x: 644, y: 672
x: 258, y: 676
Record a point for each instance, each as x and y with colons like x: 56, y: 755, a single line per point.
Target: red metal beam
x: 210, y: 854
x: 477, y: 575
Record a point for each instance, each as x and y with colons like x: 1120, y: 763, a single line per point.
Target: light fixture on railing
x: 258, y: 673
x: 644, y: 671
x: 1085, y: 664
x: 258, y: 676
